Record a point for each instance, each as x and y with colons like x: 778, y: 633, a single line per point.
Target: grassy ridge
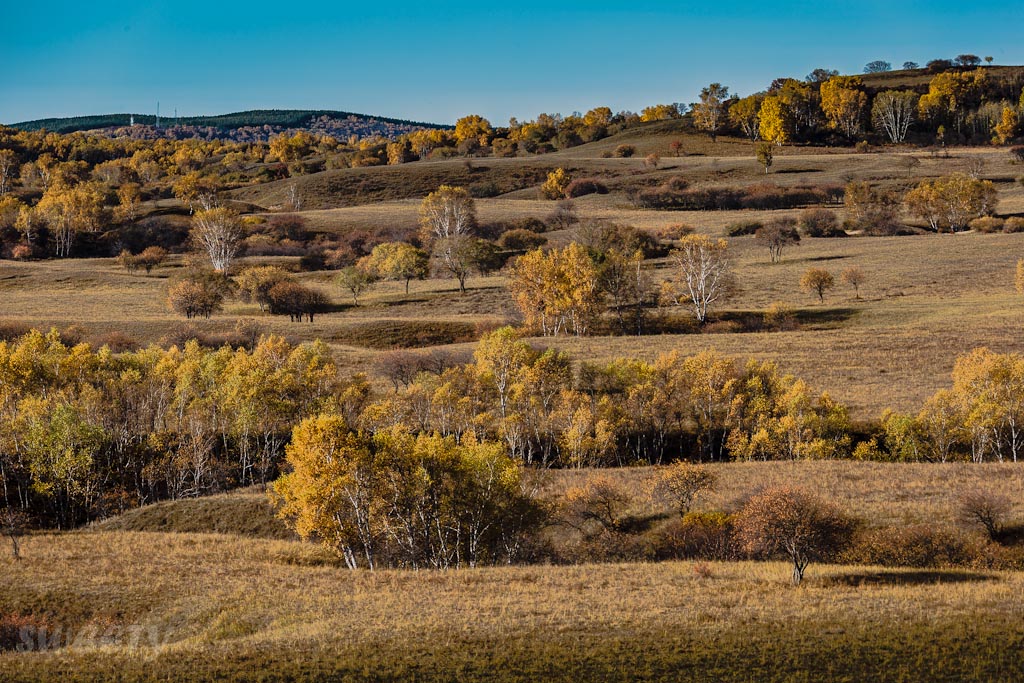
x: 233, y: 609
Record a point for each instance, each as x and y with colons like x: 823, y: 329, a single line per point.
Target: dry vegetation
x: 229, y: 608
x: 233, y: 596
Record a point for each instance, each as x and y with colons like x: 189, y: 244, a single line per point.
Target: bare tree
x: 294, y: 198
x: 778, y: 234
x: 985, y: 509
x: 219, y: 232
x: 14, y: 523
x: 705, y: 269
x: 893, y: 112
x: 854, y: 277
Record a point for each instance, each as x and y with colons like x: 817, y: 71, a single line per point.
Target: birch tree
x: 893, y: 112
x: 219, y: 232
x: 704, y: 267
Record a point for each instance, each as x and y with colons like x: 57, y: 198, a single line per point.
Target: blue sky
x: 437, y: 61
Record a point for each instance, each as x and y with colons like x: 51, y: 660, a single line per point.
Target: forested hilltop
x: 244, y: 126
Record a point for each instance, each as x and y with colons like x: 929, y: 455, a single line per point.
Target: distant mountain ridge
x: 245, y: 125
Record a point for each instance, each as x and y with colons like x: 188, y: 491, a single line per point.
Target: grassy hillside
x: 156, y: 607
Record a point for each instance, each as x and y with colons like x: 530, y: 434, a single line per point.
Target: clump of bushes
x: 987, y: 224
x: 624, y: 151
x: 519, y: 239
x: 584, y: 186
x: 1014, y: 224
x: 745, y: 227
x: 819, y: 223
x: 919, y: 545
x: 676, y: 195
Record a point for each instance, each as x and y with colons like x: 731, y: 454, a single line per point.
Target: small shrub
x: 118, y: 342
x: 484, y: 189
x: 780, y: 316
x: 987, y: 224
x: 672, y: 233
x: 625, y: 151
x: 920, y: 545
x: 1017, y: 153
x: 819, y: 223
x: 1013, y: 224
x: 698, y: 535
x: 584, y: 186
x: 741, y: 228
x: 521, y: 240
x: 985, y: 509
x: 555, y: 185
x: 21, y: 252
x: 680, y: 483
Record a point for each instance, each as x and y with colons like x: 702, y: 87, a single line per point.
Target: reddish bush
x: 585, y: 186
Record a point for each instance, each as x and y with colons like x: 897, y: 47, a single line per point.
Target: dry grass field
x: 206, y: 607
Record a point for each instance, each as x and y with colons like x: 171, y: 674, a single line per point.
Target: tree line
x: 86, y: 432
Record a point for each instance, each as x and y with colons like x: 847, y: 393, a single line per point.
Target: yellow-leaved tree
x: 843, y: 101
x: 774, y: 121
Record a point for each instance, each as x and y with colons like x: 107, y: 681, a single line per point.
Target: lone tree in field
x: 355, y: 281
x: 219, y: 232
x: 818, y: 281
x: 854, y: 277
x: 680, y: 483
x: 777, y: 235
x: 765, y: 155
x: 448, y: 221
x: 704, y: 266
x: 710, y: 112
x: 396, y: 261
x: 795, y: 523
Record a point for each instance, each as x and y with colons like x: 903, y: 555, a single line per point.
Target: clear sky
x: 436, y: 61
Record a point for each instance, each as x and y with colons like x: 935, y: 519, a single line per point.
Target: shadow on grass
x: 797, y: 170
x: 908, y: 578
x: 830, y: 257
x: 825, y: 316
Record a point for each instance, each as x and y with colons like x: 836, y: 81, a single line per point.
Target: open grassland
x: 215, y: 607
